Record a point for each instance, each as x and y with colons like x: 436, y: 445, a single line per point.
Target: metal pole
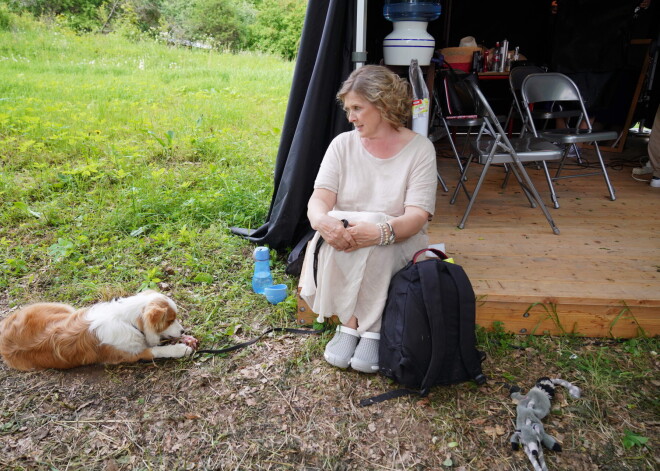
x: 360, y: 52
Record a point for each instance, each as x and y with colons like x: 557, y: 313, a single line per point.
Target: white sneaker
x: 645, y: 170
x: 655, y: 182
x: 365, y: 358
x: 340, y: 348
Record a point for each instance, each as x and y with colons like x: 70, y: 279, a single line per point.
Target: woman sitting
x: 373, y: 197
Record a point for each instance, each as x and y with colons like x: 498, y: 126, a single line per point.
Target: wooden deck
x: 600, y: 277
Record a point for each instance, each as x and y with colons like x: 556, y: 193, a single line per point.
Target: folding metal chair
x: 516, y: 77
x: 556, y: 87
x: 546, y: 113
x: 498, y: 148
x: 455, y: 111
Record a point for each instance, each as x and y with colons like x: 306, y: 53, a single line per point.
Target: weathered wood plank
x: 622, y: 321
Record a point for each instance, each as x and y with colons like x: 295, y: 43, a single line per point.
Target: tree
x: 278, y: 26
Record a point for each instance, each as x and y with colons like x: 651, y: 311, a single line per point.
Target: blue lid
x: 412, y: 10
x: 261, y: 254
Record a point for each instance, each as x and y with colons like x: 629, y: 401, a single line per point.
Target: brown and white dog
x: 125, y: 330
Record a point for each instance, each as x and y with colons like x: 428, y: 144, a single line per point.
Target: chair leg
x: 507, y: 174
x: 561, y: 163
x: 461, y: 183
x: 461, y: 225
x: 610, y: 189
x: 442, y: 182
x: 551, y: 187
x: 578, y: 154
x: 537, y: 197
x: 453, y: 146
x: 523, y: 186
x: 603, y: 171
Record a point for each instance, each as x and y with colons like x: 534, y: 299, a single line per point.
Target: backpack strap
x: 388, y: 395
x: 467, y: 337
x: 431, y: 295
x: 317, y: 250
x: 439, y: 253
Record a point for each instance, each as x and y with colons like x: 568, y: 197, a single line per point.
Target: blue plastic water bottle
x: 262, y: 277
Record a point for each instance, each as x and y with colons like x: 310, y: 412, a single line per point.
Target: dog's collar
x: 136, y: 328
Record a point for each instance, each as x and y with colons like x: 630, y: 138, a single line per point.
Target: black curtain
x: 313, y: 118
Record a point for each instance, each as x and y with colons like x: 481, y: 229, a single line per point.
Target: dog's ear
x: 159, y: 315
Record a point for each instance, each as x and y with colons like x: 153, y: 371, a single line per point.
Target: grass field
x: 124, y: 164
x: 122, y: 167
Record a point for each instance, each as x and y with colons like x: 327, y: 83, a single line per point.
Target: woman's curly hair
x: 382, y: 88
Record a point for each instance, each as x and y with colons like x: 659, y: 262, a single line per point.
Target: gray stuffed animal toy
x: 532, y: 408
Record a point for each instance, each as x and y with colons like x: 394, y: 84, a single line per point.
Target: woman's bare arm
x: 405, y: 226
x: 332, y: 230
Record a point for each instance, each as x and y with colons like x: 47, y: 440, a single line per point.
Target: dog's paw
x: 188, y: 350
x: 178, y: 350
x: 184, y: 350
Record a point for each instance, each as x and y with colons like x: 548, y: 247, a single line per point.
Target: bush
x: 278, y: 27
x: 5, y: 19
x: 225, y: 22
x: 80, y: 15
x: 272, y: 26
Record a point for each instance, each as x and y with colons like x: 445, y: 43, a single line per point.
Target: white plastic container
x: 409, y: 39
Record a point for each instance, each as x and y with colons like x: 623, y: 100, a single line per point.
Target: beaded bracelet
x: 387, y: 236
x: 381, y: 227
x: 392, y: 237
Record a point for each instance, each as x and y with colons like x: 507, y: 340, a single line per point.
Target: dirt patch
x: 275, y: 405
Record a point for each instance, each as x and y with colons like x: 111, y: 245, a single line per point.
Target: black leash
x: 255, y: 340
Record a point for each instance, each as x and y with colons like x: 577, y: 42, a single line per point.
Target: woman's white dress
x: 374, y: 190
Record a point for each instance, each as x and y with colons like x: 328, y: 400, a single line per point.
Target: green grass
x: 124, y: 164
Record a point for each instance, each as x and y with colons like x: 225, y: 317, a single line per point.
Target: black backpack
x: 427, y: 336
x: 455, y: 95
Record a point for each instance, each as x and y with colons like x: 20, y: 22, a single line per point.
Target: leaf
x: 452, y: 444
x: 138, y: 231
x: 160, y: 141
x: 631, y: 439
x: 24, y: 207
x: 203, y: 278
x: 496, y: 431
x: 62, y: 249
x: 232, y: 329
x: 448, y: 462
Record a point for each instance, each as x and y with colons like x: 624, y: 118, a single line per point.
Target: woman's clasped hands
x: 348, y: 239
